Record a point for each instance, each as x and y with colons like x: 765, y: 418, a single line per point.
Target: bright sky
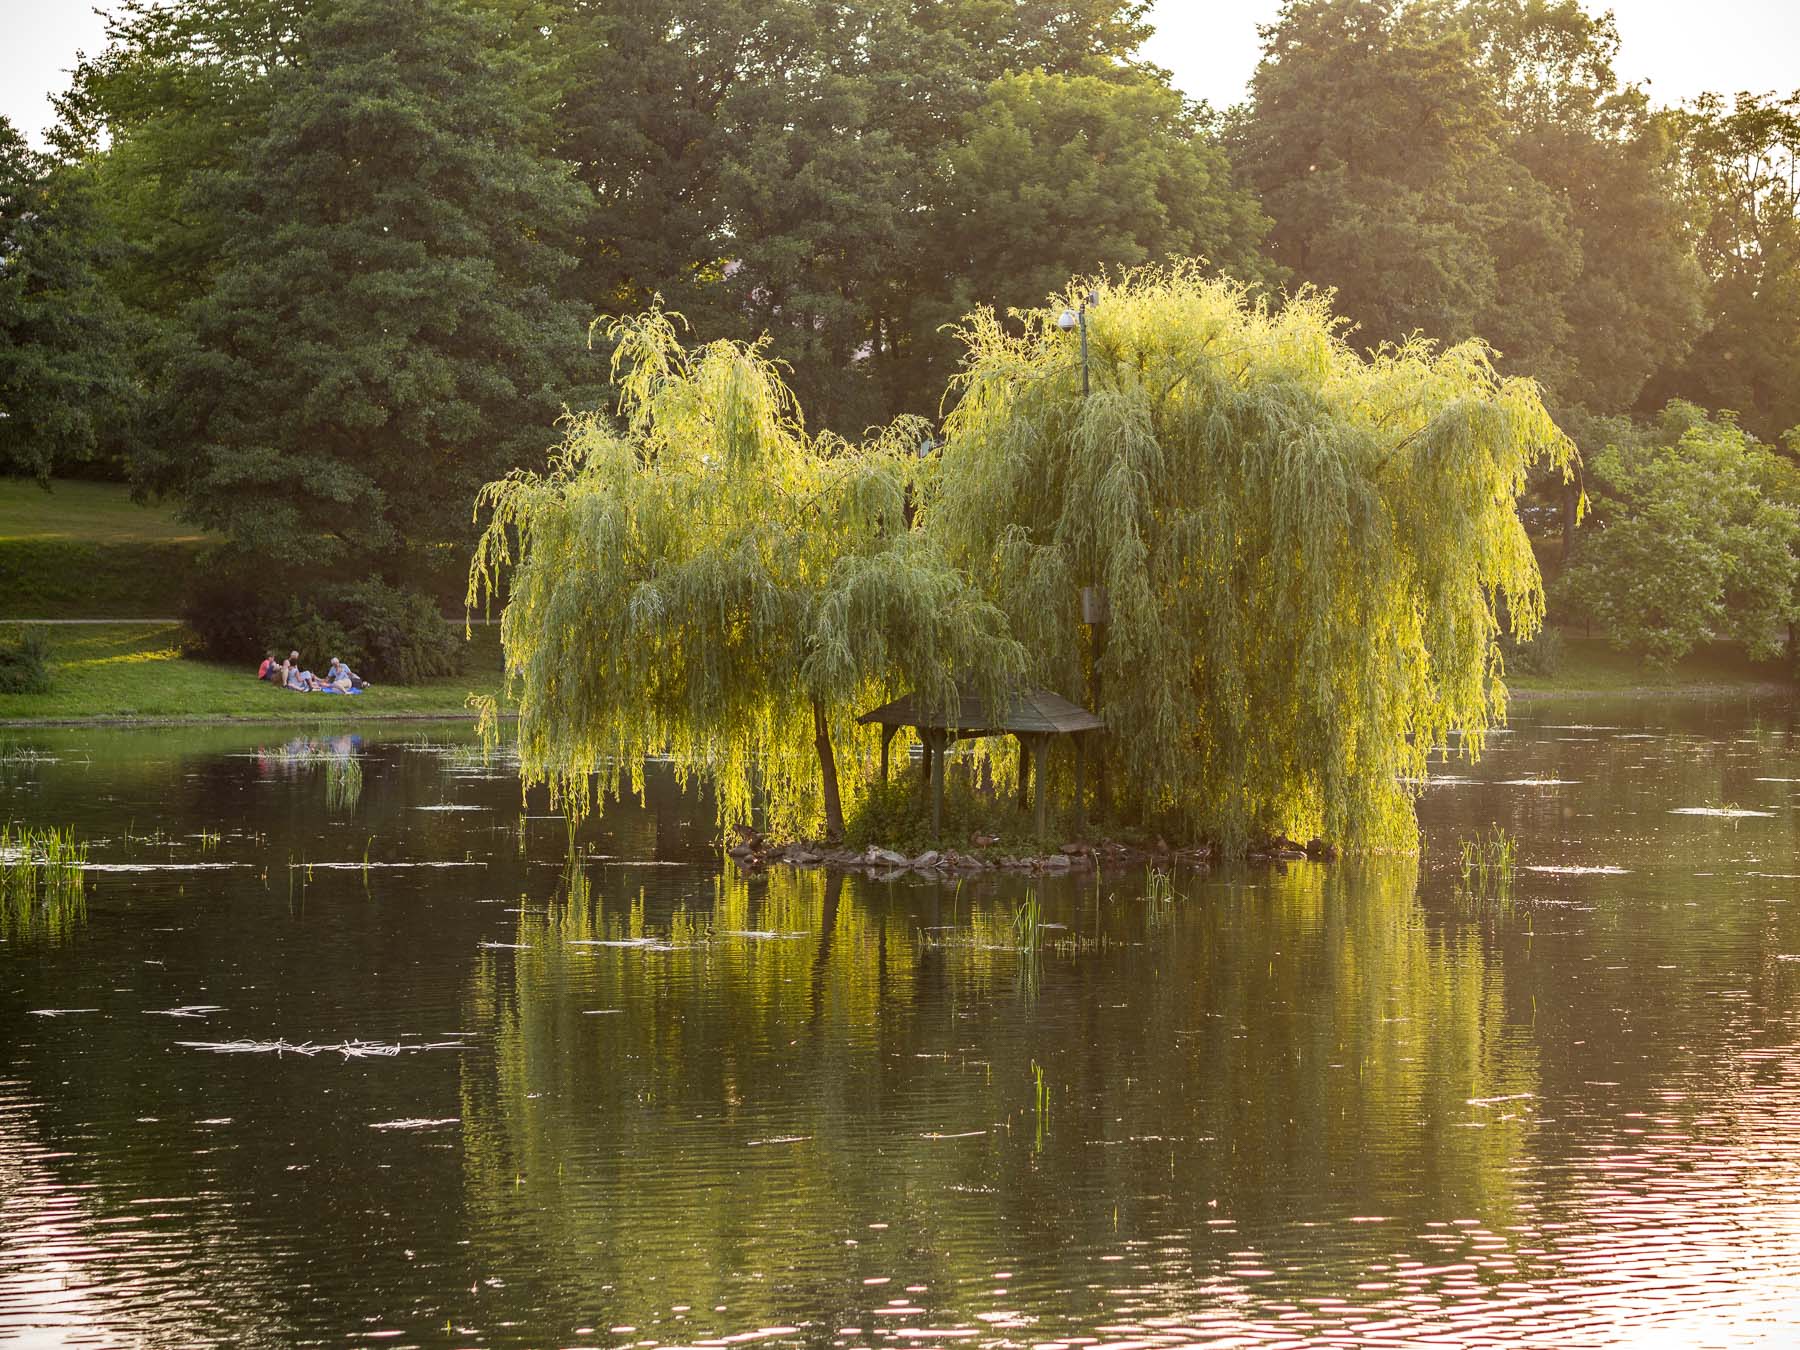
x: 1682, y: 47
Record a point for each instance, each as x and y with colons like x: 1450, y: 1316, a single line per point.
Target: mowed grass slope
x: 133, y: 671
x: 87, y: 551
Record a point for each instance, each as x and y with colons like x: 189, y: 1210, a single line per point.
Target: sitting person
x: 343, y: 677
x: 271, y: 670
x: 304, y: 680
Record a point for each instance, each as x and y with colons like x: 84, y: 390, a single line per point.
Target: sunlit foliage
x: 707, y: 580
x: 1699, y: 538
x: 1307, y: 551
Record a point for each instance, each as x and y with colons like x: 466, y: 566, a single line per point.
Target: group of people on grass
x: 338, y: 678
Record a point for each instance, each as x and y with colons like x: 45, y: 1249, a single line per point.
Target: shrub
x: 401, y: 637
x: 25, y: 664
x: 1541, y: 656
x: 389, y: 635
x: 897, y: 815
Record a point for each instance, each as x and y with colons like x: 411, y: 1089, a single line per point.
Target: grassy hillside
x: 135, y: 670
x: 87, y: 551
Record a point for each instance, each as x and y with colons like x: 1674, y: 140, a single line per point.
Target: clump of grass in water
x: 1042, y: 1104
x: 1487, y: 865
x: 343, y: 784
x: 41, y: 881
x: 1028, y: 925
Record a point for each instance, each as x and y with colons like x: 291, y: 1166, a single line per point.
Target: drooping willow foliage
x: 702, y: 579
x: 1308, y: 552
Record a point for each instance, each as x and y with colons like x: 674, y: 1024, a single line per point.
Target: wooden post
x: 937, y: 784
x: 1043, y: 782
x: 1080, y: 739
x: 887, y: 739
x: 1100, y: 803
x: 1024, y: 773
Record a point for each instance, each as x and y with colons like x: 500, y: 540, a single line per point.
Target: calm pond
x: 649, y: 1101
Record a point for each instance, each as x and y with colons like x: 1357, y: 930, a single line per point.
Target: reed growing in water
x: 42, y: 875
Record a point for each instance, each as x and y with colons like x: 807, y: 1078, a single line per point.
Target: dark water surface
x: 649, y: 1102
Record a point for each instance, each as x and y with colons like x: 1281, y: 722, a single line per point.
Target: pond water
x: 254, y: 1091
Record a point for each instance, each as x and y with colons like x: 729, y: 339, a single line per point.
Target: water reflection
x: 666, y: 1103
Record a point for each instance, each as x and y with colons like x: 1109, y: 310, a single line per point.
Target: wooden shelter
x: 1034, y: 716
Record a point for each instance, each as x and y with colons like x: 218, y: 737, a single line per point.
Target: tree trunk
x: 834, y: 804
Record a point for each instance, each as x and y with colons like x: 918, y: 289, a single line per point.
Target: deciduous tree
x: 1697, y: 536
x: 67, y: 388
x: 1307, y: 551
x: 707, y: 581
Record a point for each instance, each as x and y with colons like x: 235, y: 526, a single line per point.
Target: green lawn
x: 1593, y: 665
x: 135, y: 671
x: 87, y: 551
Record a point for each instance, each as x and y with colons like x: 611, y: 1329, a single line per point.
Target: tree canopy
x: 1476, y: 169
x: 1741, y: 175
x: 1697, y: 536
x: 705, y: 580
x: 1308, y: 552
x: 384, y: 331
x: 67, y: 387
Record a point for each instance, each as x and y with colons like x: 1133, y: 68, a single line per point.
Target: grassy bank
x: 87, y: 551
x: 1593, y: 666
x: 135, y: 672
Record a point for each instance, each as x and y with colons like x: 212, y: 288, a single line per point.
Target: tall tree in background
x: 66, y: 379
x: 1742, y: 174
x: 1609, y: 159
x: 1476, y: 169
x: 384, y: 332
x: 1055, y: 175
x: 177, y: 96
x: 1370, y: 131
x: 807, y: 170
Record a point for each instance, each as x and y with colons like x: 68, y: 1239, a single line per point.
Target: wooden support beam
x: 1043, y: 782
x: 1080, y: 783
x: 937, y: 785
x: 1024, y: 772
x: 887, y: 739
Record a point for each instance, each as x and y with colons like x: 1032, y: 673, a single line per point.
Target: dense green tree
x: 67, y: 390
x: 383, y: 333
x: 711, y: 583
x: 793, y: 168
x: 1368, y: 124
x: 1476, y: 170
x: 1633, y: 303
x: 176, y: 96
x: 1058, y: 174
x: 1307, y: 552
x: 1742, y: 173
x: 1697, y: 537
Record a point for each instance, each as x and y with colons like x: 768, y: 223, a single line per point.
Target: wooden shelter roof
x: 1030, y: 712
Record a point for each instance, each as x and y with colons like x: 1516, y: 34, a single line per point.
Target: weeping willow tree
x: 700, y: 578
x: 1308, y: 552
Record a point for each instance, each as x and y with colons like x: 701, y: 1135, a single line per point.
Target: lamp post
x: 1096, y: 610
x: 1077, y: 318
